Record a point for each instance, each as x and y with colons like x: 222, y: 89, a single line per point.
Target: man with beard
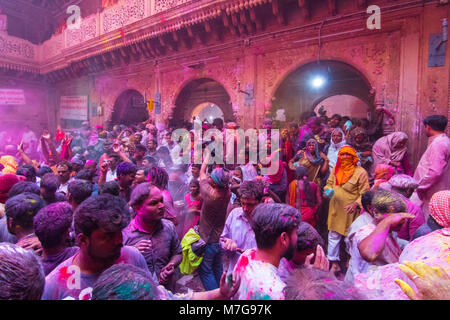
x: 275, y: 227
x: 98, y: 223
x: 238, y: 234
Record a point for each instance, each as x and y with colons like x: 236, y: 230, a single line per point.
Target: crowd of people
x: 115, y: 213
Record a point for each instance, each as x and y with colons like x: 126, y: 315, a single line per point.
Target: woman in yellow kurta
x: 348, y: 181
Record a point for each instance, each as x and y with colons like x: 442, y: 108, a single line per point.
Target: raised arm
x: 102, y: 178
x: 203, y: 173
x: 25, y: 157
x: 51, y: 154
x: 325, y: 165
x: 372, y: 246
x: 116, y: 148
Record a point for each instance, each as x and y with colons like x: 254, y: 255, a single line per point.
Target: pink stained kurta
x: 433, y: 170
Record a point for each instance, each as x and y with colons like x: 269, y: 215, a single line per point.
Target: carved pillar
x: 409, y: 116
x: 149, y: 5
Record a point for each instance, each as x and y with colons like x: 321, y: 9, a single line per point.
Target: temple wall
x: 38, y: 111
x: 393, y: 60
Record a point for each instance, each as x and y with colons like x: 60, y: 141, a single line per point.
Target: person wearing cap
x: 439, y: 214
x: 214, y: 190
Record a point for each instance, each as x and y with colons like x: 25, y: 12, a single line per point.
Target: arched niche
x: 310, y: 84
x: 207, y: 111
x: 196, y: 95
x: 344, y: 105
x: 130, y: 108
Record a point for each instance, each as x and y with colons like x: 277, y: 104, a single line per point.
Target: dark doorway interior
x: 129, y: 109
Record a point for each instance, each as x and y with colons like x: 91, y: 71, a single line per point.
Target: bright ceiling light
x: 318, y: 82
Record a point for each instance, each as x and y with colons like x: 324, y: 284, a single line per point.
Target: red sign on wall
x: 74, y: 107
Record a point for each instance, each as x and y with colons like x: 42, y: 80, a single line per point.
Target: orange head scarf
x: 345, y: 167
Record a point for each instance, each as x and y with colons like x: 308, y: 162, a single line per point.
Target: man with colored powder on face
x: 377, y: 243
x: 99, y: 222
x: 309, y: 246
x: 91, y: 165
x: 214, y: 190
x: 156, y: 238
x: 64, y: 169
x: 404, y: 186
x: 238, y: 234
x: 126, y: 172
x: 275, y: 227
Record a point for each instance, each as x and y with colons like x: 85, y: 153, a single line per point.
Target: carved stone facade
x: 231, y: 44
x: 87, y: 31
x: 123, y: 14
x: 163, y: 5
x: 15, y: 48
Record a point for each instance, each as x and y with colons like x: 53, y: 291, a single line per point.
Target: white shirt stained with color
x: 259, y: 279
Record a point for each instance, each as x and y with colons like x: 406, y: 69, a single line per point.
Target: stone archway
x: 207, y: 111
x: 313, y: 82
x: 129, y: 108
x: 200, y: 92
x: 345, y: 105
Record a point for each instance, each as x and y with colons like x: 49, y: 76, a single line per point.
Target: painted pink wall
x: 36, y: 112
